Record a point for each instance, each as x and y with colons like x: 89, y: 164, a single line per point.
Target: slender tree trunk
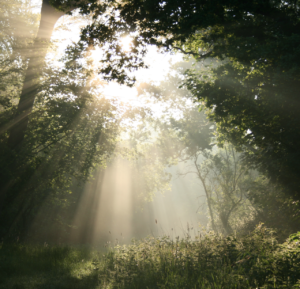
x: 224, y: 217
x: 209, y: 205
x: 202, y: 179
x: 49, y: 16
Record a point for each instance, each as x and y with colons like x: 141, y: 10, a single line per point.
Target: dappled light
x: 149, y: 145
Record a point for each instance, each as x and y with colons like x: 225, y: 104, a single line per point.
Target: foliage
x: 223, y: 177
x: 71, y: 131
x: 238, y: 196
x: 188, y: 138
x: 18, y: 26
x: 66, y: 141
x: 272, y: 207
x: 261, y: 124
x: 210, y: 261
x: 252, y: 94
x: 180, y: 129
x: 25, y: 266
x: 163, y: 138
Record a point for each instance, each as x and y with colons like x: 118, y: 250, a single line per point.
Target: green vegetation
x: 45, y: 267
x: 237, y: 196
x: 57, y: 132
x: 252, y: 94
x: 256, y: 260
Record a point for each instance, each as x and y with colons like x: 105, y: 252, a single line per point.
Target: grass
x: 253, y: 261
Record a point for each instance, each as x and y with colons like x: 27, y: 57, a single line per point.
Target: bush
x: 210, y: 261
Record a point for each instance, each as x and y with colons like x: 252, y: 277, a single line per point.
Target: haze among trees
x: 224, y: 120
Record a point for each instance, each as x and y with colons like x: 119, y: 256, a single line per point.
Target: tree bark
x: 224, y: 217
x: 49, y: 16
x: 202, y: 179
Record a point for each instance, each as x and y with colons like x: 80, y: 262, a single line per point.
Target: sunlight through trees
x: 106, y: 104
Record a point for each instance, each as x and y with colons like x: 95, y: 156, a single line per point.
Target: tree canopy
x: 253, y: 93
x: 246, y: 74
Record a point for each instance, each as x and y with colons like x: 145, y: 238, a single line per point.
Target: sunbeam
x: 126, y: 43
x: 149, y: 146
x: 110, y: 209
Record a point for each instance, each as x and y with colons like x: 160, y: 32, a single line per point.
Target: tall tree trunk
x: 49, y: 16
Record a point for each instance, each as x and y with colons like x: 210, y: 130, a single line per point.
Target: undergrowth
x: 211, y: 261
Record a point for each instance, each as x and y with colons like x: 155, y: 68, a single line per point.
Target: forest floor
x: 210, y: 261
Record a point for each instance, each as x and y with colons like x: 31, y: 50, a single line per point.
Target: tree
x: 18, y: 24
x: 237, y: 196
x: 222, y: 174
x: 272, y: 207
x: 66, y: 141
x: 49, y: 16
x: 223, y: 177
x: 253, y: 94
x: 255, y: 105
x: 71, y: 131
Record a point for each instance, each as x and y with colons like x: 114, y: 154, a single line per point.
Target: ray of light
x: 109, y: 206
x: 126, y: 42
x: 110, y: 212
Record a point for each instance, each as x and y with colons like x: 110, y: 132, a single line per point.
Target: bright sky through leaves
x: 116, y: 204
x: 126, y: 43
x: 67, y: 31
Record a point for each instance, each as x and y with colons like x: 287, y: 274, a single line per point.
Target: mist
x: 111, y: 210
x: 149, y: 146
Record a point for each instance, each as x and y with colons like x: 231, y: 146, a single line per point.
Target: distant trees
x: 223, y: 178
x: 238, y: 196
x: 221, y: 172
x: 188, y: 137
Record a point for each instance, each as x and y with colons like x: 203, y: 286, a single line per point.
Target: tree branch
x: 193, y: 53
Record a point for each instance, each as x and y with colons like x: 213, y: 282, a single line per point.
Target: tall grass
x: 210, y: 261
